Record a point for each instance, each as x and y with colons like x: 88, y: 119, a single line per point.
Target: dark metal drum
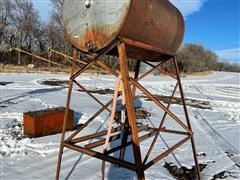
x: 91, y: 25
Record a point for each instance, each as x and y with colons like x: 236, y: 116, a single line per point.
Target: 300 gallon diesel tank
x: 91, y: 25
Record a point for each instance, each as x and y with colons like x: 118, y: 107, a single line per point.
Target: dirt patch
x: 165, y: 99
x: 202, y: 154
x: 100, y: 91
x: 13, y: 140
x: 4, y: 83
x: 15, y: 129
x: 189, y: 102
x: 223, y: 175
x: 183, y: 173
x: 54, y: 82
x: 229, y: 154
x: 220, y: 175
x: 141, y: 113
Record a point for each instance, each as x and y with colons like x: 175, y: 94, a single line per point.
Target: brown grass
x: 203, y: 73
x: 26, y: 69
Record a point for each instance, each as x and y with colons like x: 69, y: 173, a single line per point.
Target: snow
x: 216, y: 128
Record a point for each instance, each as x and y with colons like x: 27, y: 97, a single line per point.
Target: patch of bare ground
x: 189, y: 102
x: 4, y: 83
x: 165, y: 99
x: 183, y: 173
x: 176, y: 100
x: 54, y: 82
x: 223, y: 175
x: 100, y: 91
x: 141, y: 113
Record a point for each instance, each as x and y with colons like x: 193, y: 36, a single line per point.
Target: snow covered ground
x: 216, y: 126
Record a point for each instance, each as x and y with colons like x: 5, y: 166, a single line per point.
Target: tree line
x: 196, y: 58
x: 21, y: 27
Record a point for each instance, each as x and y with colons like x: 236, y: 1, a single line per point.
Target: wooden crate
x: 46, y: 122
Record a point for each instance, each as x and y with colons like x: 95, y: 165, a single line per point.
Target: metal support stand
x: 130, y: 85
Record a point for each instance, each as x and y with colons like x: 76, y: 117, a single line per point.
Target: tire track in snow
x: 201, y: 93
x: 217, y: 137
x: 16, y: 99
x: 70, y: 158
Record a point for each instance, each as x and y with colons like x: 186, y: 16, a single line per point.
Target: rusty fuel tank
x: 91, y: 25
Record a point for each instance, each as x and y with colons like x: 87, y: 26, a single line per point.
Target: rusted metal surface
x: 94, y: 135
x: 160, y: 126
x: 102, y: 156
x: 130, y: 110
x: 187, y: 118
x: 157, y: 102
x: 129, y: 86
x: 141, y: 138
x: 66, y: 115
x: 46, y: 122
x: 165, y: 153
x: 111, y: 138
x: 91, y: 25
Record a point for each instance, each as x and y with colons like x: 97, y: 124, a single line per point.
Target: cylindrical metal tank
x: 91, y: 25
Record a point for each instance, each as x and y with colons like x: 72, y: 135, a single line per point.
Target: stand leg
x: 130, y: 110
x: 114, y: 105
x: 187, y: 119
x: 66, y: 116
x: 126, y: 125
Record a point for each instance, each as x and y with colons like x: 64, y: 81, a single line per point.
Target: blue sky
x: 215, y: 24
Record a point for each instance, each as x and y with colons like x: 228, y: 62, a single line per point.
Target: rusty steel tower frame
x: 130, y: 84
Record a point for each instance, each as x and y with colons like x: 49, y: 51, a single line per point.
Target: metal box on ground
x: 46, y: 122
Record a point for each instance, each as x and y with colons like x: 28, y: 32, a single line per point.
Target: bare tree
x: 25, y: 20
x: 56, y: 28
x: 21, y: 27
x: 195, y: 58
x: 6, y: 7
x: 41, y: 37
x: 56, y: 15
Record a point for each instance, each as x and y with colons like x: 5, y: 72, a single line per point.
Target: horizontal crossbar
x: 112, y: 138
x: 101, y: 156
x: 165, y: 153
x: 141, y: 138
